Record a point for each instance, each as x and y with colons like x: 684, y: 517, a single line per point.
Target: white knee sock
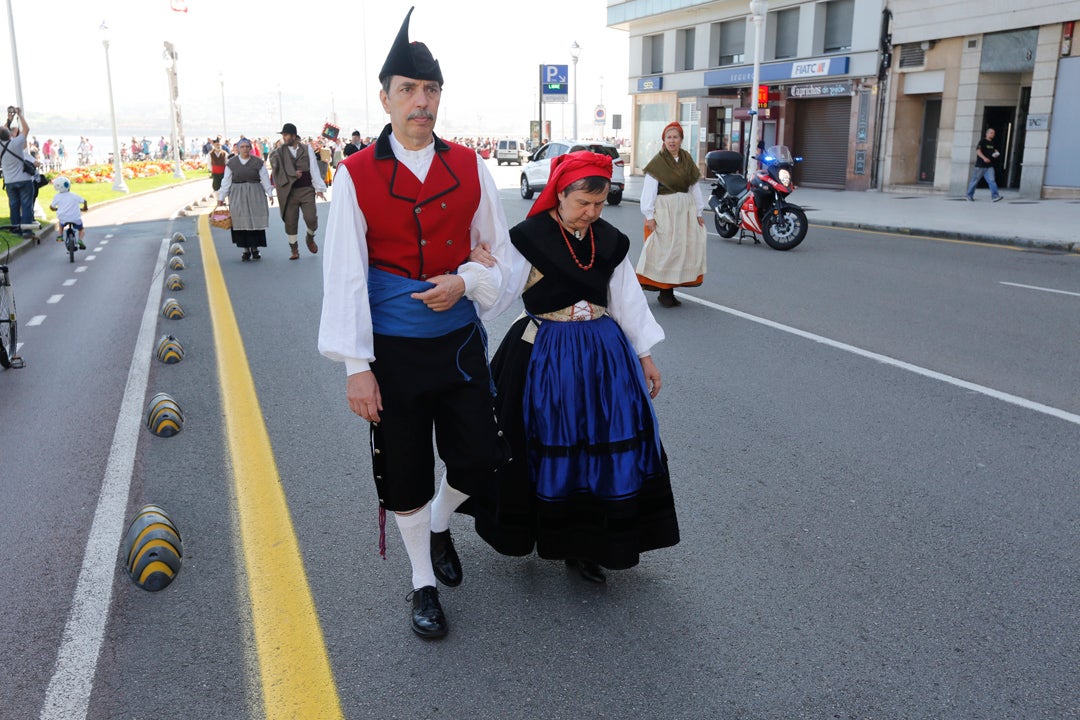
x: 443, y: 506
x: 292, y: 239
x: 416, y: 534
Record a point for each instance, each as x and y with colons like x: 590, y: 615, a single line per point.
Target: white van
x: 509, y: 151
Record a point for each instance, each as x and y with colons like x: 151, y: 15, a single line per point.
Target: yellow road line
x: 297, y: 681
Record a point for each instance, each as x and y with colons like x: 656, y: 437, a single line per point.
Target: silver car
x: 534, y: 176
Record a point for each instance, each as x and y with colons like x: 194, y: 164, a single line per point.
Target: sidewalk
x: 49, y: 229
x: 1051, y: 224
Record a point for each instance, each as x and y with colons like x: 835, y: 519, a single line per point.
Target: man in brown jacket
x: 295, y: 172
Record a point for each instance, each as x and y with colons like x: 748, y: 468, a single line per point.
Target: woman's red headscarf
x: 567, y: 169
x: 670, y: 125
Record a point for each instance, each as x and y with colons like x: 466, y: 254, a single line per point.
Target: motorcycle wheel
x: 723, y: 228
x: 784, y: 229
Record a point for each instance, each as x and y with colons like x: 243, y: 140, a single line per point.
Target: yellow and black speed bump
x: 171, y: 309
x: 176, y: 264
x: 178, y: 237
x: 163, y: 416
x: 169, y: 350
x: 152, y: 549
x: 176, y: 249
x: 173, y: 282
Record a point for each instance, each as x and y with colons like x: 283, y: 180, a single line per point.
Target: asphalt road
x: 859, y: 539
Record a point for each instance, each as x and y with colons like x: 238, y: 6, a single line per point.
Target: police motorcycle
x: 757, y: 206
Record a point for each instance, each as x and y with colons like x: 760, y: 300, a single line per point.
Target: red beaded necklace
x: 570, y: 247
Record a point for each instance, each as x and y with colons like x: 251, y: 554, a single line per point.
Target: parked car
x: 534, y: 175
x: 510, y: 151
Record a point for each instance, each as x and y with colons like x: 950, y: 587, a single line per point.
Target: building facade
x: 960, y: 68
x: 871, y: 93
x: 819, y: 66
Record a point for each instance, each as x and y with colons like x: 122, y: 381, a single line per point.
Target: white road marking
x: 1036, y: 287
x: 36, y: 320
x: 81, y: 268
x: 88, y: 258
x: 99, y: 248
x: 53, y: 299
x: 932, y: 374
x: 70, y: 281
x: 108, y: 235
x: 68, y: 694
x: 106, y: 242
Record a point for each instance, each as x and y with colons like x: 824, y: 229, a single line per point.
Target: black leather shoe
x: 428, y: 620
x: 588, y: 569
x: 444, y: 559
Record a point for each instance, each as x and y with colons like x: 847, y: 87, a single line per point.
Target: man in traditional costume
x: 295, y: 171
x: 400, y: 301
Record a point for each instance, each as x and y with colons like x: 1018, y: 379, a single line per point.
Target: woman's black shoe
x: 255, y: 254
x: 246, y: 256
x: 588, y: 569
x: 428, y: 620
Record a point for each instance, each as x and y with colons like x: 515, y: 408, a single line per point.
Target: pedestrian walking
x: 986, y: 153
x: 400, y: 310
x: 218, y: 157
x: 588, y: 481
x: 246, y: 186
x: 295, y: 172
x: 674, y: 252
x: 356, y: 145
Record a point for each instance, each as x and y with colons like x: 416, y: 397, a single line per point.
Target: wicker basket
x: 221, y: 218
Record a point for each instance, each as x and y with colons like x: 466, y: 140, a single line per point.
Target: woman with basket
x: 245, y: 184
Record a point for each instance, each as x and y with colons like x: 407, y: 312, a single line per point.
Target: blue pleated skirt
x: 590, y: 425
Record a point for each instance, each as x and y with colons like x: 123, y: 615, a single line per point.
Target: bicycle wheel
x: 69, y: 243
x: 8, y: 328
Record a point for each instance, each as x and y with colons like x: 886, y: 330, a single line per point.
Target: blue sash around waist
x: 396, y: 314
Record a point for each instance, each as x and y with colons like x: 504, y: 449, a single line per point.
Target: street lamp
x: 224, y: 125
x: 758, y: 8
x: 168, y: 57
x: 575, y: 53
x: 118, y: 184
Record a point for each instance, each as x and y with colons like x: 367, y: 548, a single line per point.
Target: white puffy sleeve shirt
x: 345, y: 329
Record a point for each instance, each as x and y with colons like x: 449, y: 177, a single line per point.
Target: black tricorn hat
x: 412, y: 60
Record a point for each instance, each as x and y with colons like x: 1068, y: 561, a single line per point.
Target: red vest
x: 437, y: 239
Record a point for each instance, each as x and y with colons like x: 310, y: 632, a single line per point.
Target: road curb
x: 48, y: 230
x: 1071, y: 247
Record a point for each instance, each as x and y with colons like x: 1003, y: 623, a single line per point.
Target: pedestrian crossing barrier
x: 173, y: 282
x: 171, y: 309
x: 169, y: 350
x: 163, y: 416
x: 178, y: 237
x: 176, y: 264
x: 176, y: 249
x: 152, y: 549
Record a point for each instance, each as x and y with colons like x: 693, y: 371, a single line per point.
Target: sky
x: 305, y: 63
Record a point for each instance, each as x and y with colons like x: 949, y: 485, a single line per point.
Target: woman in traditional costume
x: 588, y: 482
x: 674, y: 254
x: 246, y: 184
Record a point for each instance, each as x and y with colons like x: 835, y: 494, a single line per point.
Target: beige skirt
x: 674, y: 254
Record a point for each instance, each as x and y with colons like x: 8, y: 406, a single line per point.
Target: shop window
x: 839, y: 20
x: 651, y: 120
x: 729, y: 42
x: 786, y: 23
x: 653, y: 60
x: 684, y: 49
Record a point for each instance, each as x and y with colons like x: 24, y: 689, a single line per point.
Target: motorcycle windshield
x: 777, y: 155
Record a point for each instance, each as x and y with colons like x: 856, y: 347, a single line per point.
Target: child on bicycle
x: 67, y: 206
